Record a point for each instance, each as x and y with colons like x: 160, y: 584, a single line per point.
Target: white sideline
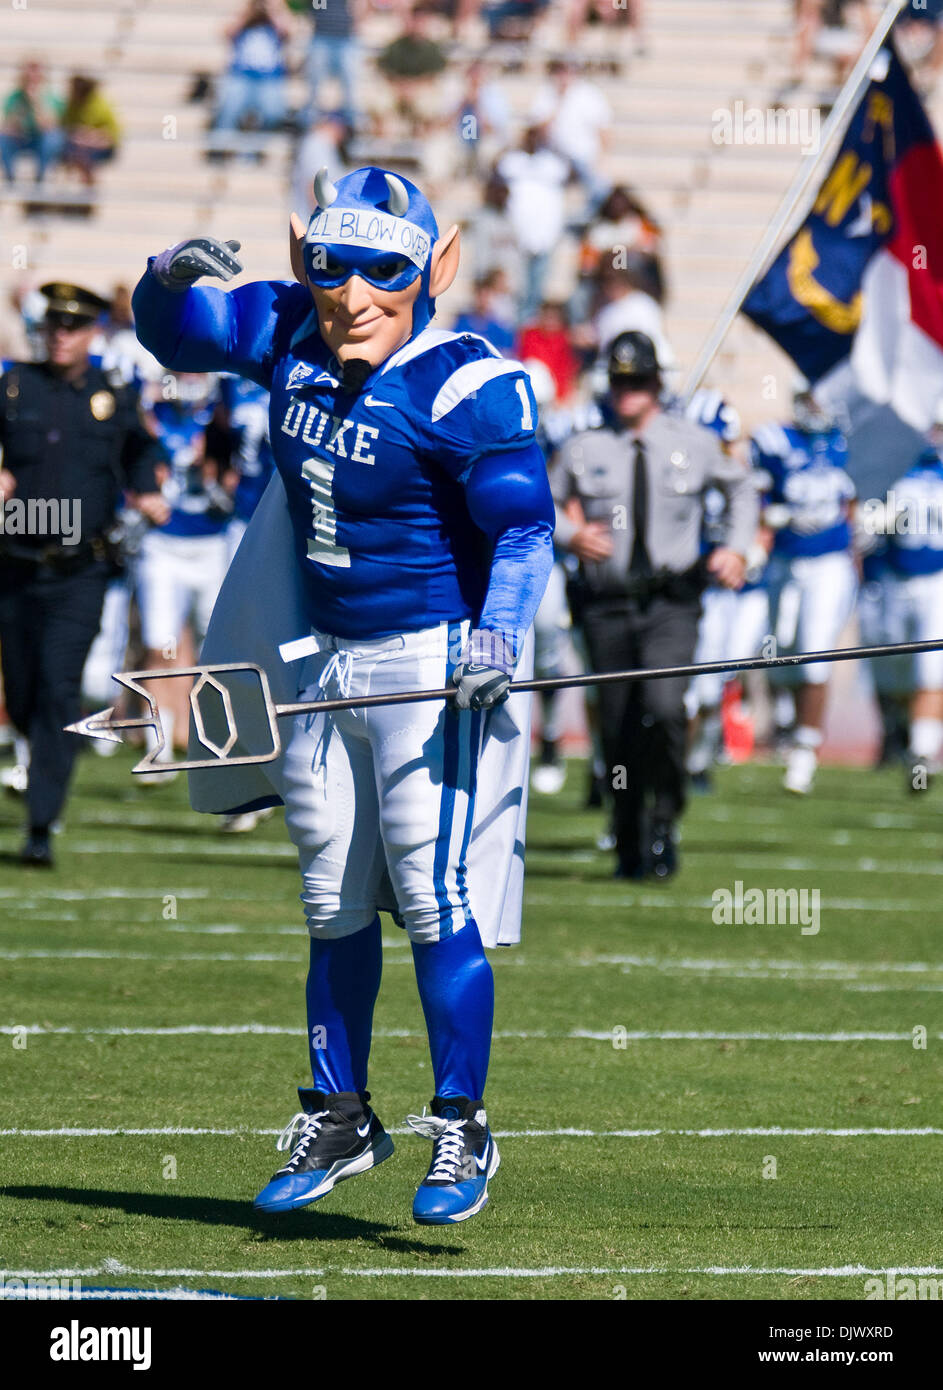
x: 500, y: 1272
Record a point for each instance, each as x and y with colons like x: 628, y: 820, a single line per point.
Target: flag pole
x: 799, y: 195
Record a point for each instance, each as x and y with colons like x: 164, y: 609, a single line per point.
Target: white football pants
x: 383, y: 791
x: 811, y: 598
x: 914, y: 613
x: 178, y: 577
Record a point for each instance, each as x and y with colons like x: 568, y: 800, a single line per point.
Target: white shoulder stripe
x: 423, y: 342
x: 466, y: 380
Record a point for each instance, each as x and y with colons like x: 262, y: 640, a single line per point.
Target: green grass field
x: 633, y: 1161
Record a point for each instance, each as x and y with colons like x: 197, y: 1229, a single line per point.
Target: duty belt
x: 674, y: 584
x: 55, y: 557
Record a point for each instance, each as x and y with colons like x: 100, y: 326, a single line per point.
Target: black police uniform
x: 77, y: 442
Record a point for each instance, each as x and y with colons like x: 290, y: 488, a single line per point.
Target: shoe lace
x: 298, y: 1135
x: 449, y: 1139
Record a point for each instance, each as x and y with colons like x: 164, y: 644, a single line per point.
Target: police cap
x: 633, y: 354
x: 71, y: 305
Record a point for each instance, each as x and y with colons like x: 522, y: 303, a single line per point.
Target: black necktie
x: 640, y: 564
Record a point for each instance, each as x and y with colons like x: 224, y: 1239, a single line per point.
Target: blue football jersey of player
x: 806, y: 475
x: 247, y: 405
x: 376, y: 481
x: 915, y: 518
x: 181, y: 430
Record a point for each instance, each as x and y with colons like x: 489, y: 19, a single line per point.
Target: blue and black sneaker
x: 333, y: 1137
x: 465, y: 1156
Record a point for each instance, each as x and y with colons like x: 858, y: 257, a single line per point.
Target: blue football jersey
x: 915, y: 518
x: 806, y: 473
x: 181, y: 431
x: 247, y: 405
x: 382, y: 483
x: 375, y: 482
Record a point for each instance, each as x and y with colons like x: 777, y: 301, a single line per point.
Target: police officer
x: 630, y: 504
x: 71, y: 440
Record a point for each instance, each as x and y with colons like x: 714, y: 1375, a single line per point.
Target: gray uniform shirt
x: 682, y: 461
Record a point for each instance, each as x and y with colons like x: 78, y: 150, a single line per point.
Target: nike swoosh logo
x: 483, y: 1162
x: 370, y: 400
x: 364, y: 1131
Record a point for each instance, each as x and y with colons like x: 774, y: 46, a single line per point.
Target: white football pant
x: 811, y: 598
x: 914, y: 613
x: 387, y: 790
x: 178, y: 577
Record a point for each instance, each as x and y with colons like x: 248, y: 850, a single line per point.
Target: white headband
x: 378, y: 230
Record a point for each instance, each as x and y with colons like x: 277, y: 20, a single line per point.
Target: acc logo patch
x: 102, y: 405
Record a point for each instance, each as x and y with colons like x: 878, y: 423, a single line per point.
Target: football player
x: 181, y: 564
x: 914, y: 597
x: 733, y: 621
x: 807, y: 508
x: 421, y: 520
x: 246, y: 408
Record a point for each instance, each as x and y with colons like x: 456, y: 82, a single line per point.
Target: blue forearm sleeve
x: 209, y: 330
x: 509, y: 499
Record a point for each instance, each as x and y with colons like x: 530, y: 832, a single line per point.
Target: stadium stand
x: 701, y: 57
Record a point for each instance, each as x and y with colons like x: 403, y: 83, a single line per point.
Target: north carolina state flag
x: 856, y: 297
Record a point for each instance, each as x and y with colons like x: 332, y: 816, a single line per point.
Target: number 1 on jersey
x: 322, y: 546
x: 527, y: 417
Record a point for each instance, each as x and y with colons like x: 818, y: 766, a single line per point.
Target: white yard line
x: 588, y: 1034
x: 729, y: 1132
x: 113, y: 1268
x: 759, y: 964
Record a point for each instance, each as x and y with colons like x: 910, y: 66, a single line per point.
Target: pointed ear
x: 445, y: 256
x: 296, y: 241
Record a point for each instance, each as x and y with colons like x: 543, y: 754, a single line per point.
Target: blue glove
x: 480, y: 687
x: 181, y: 265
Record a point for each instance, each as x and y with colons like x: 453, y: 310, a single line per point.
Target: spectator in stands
x: 92, y: 132
x: 921, y: 23
x: 630, y: 12
x: 621, y: 222
x: 491, y: 314
x: 493, y: 238
x: 547, y: 340
x: 334, y: 51
x: 483, y: 118
x: 625, y: 305
x: 324, y: 146
x: 576, y: 118
x: 513, y: 19
x: 457, y: 12
x: 536, y: 177
x: 253, y: 86
x: 409, y: 64
x: 834, y: 29
x: 31, y: 123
